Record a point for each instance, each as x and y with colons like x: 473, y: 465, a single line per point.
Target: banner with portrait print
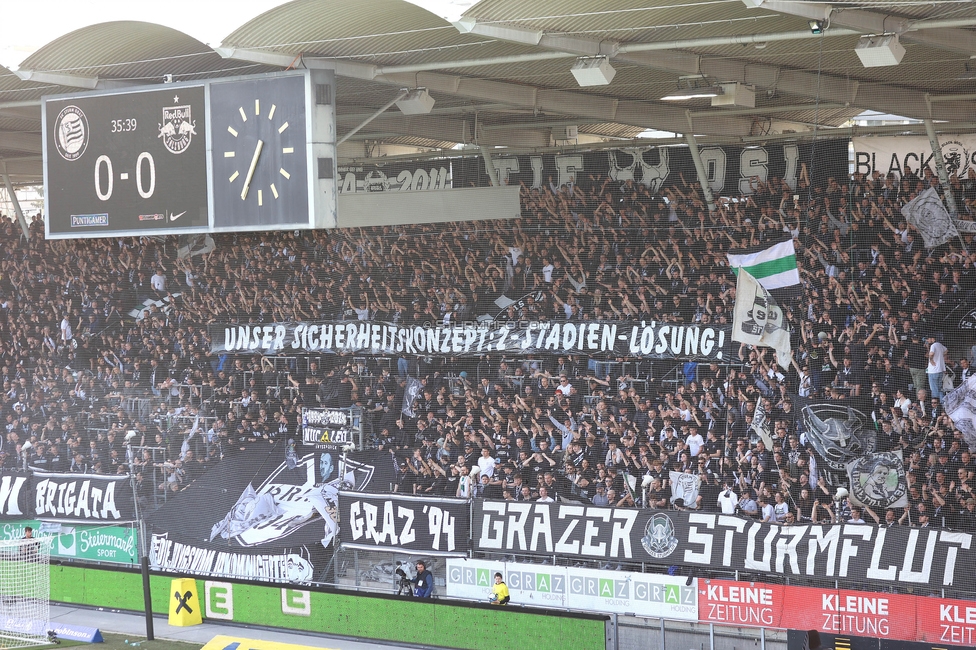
x: 878, y: 481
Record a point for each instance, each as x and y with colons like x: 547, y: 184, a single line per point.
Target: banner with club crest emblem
x: 878, y: 481
x: 659, y: 540
x: 900, y: 556
x: 685, y: 487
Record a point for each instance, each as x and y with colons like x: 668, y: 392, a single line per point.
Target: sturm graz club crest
x: 71, y: 133
x: 956, y: 158
x: 177, y: 128
x: 878, y: 480
x: 659, y: 539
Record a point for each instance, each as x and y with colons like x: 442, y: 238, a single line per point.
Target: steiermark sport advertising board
x: 115, y: 544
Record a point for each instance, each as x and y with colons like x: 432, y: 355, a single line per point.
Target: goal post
x: 25, y: 591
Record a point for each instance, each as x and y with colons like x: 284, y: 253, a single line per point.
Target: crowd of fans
x: 83, y: 377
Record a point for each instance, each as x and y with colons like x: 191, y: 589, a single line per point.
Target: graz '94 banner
x: 898, y: 556
x: 650, y: 340
x: 416, y: 524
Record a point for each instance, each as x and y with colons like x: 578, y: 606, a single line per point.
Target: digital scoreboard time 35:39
x: 245, y: 153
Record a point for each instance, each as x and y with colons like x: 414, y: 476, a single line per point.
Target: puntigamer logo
x: 82, y: 220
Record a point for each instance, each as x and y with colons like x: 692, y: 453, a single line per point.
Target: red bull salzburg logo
x: 177, y: 128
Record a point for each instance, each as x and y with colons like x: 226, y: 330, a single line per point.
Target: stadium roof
x: 501, y: 76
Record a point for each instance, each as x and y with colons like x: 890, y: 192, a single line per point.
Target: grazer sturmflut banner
x: 650, y: 340
x: 429, y: 526
x: 83, y: 497
x: 862, y: 553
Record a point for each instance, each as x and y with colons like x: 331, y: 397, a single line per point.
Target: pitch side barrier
x: 541, y: 599
x: 447, y: 623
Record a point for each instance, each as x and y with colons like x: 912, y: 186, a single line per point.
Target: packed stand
x: 94, y: 388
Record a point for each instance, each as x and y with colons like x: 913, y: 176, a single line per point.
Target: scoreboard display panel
x: 230, y: 154
x: 127, y: 163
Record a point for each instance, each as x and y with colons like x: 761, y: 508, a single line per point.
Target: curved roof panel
x: 482, y: 82
x: 333, y: 28
x: 130, y: 50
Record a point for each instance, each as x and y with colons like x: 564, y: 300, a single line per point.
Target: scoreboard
x: 134, y: 162
x: 241, y: 153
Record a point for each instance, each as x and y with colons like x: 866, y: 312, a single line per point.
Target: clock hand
x: 250, y: 171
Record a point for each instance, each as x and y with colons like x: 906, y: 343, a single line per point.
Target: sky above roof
x: 25, y: 27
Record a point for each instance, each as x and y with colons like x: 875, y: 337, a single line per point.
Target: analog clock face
x: 259, y: 153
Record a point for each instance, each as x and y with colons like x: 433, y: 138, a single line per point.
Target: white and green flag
x: 774, y: 266
x: 757, y: 320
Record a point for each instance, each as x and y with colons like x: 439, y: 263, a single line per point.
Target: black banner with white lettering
x: 15, y: 502
x: 292, y: 565
x: 898, y: 555
x: 650, y: 340
x: 82, y: 497
x: 730, y: 170
x: 424, y: 525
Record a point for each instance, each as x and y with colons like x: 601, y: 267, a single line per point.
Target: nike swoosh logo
x: 174, y: 217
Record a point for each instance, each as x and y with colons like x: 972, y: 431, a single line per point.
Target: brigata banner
x: 900, y: 556
x: 82, y: 497
x: 424, y: 525
x: 587, y: 590
x: 651, y: 340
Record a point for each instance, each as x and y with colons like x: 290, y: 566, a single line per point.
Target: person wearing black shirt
x: 503, y: 450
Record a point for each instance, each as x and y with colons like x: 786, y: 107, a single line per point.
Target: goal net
x: 25, y: 587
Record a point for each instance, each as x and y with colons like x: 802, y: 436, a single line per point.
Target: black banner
x: 424, y: 525
x: 266, y: 513
x: 15, y: 501
x: 729, y: 169
x: 616, y: 339
x: 899, y: 555
x: 385, y: 470
x: 400, y: 176
x: 82, y: 497
x: 173, y: 556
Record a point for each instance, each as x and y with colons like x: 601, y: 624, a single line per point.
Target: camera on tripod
x: 404, y: 586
